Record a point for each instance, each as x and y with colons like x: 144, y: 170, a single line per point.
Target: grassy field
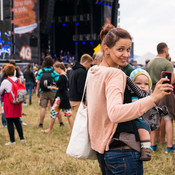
x: 45, y: 154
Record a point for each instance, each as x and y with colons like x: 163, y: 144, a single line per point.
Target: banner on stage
x: 26, y: 30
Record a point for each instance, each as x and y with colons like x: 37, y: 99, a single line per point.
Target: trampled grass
x: 45, y: 154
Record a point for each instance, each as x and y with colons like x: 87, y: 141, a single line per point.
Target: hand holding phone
x: 167, y: 75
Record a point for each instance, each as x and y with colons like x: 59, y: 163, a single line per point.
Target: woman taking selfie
x: 108, y: 117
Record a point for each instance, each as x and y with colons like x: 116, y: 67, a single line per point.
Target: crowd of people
x: 63, y: 56
x: 130, y: 108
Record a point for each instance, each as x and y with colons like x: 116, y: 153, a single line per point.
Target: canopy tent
x: 143, y: 58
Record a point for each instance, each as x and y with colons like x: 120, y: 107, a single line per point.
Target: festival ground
x: 45, y: 154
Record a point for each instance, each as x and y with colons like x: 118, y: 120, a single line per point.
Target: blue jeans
x: 29, y: 87
x: 142, y: 124
x: 122, y: 162
x: 4, y: 122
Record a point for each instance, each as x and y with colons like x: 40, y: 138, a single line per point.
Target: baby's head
x: 142, y: 79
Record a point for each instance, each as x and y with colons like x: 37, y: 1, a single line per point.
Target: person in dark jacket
x: 29, y: 81
x: 77, y: 80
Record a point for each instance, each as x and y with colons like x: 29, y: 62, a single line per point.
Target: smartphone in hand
x: 168, y: 75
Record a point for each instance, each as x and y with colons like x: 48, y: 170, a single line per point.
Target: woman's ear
x: 106, y: 49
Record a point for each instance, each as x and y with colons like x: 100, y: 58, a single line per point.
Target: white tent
x: 143, y: 58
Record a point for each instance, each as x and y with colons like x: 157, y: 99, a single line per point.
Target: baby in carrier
x: 143, y: 80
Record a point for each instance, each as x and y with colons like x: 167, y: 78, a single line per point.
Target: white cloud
x: 149, y: 22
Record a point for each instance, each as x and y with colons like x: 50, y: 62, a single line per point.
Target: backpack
x: 46, y: 80
x: 18, y: 92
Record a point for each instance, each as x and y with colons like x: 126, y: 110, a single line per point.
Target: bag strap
x: 9, y: 79
x: 50, y: 71
x: 135, y: 88
x: 84, y: 88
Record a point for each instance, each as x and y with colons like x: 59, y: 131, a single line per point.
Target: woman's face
x: 120, y: 52
x: 57, y: 70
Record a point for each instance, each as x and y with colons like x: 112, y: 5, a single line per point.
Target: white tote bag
x: 79, y: 145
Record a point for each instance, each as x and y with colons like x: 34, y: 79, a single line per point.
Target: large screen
x: 5, y: 40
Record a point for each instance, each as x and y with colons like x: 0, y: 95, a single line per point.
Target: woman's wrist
x: 154, y: 99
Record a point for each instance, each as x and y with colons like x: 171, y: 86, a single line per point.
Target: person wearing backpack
x: 12, y: 111
x: 46, y: 77
x: 18, y: 74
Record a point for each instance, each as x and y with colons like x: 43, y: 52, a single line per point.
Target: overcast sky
x: 149, y: 22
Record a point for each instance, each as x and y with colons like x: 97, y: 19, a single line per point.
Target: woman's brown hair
x: 106, y: 28
x: 48, y: 61
x: 113, y: 35
x: 9, y: 69
x: 29, y: 66
x: 60, y: 65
